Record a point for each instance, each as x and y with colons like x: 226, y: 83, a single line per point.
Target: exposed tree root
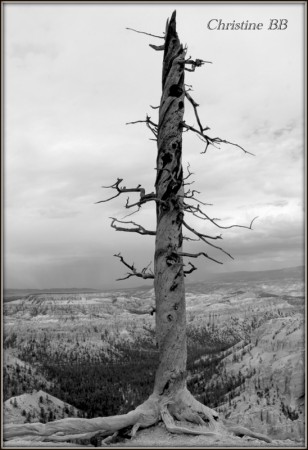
x: 186, y: 407
x: 143, y: 416
x: 176, y: 429
x: 243, y: 431
x: 109, y: 439
x: 182, y: 406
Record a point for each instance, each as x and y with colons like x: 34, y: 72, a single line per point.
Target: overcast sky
x: 74, y: 76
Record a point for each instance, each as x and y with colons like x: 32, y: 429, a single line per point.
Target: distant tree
x: 50, y: 416
x: 42, y: 415
x: 170, y: 398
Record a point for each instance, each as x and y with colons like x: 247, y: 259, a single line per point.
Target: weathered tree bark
x: 170, y: 399
x: 170, y: 380
x: 168, y: 264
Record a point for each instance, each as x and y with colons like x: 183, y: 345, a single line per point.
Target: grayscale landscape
x: 154, y: 242
x: 84, y: 353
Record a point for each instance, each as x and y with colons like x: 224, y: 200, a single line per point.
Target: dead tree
x: 170, y: 399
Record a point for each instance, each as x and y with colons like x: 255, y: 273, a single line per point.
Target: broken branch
x: 158, y: 48
x: 191, y: 195
x: 192, y: 269
x: 196, y: 63
x: 144, y: 199
x: 217, y: 140
x: 195, y: 105
x: 143, y: 32
x: 196, y: 209
x: 186, y: 238
x: 122, y: 190
x: 211, y: 141
x: 196, y: 255
x: 150, y: 124
x: 189, y: 173
x: 143, y: 274
x: 204, y: 238
x: 138, y: 228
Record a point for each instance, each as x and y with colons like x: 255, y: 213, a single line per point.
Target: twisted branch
x: 195, y: 105
x: 138, y: 229
x: 191, y: 195
x: 144, y: 198
x: 200, y: 235
x: 193, y: 209
x: 200, y: 133
x: 192, y: 269
x: 143, y: 274
x: 204, y: 238
x: 150, y: 124
x: 122, y: 190
x: 194, y: 64
x: 189, y: 173
x: 212, y: 141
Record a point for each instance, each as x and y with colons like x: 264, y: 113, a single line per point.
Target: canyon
x: 85, y: 353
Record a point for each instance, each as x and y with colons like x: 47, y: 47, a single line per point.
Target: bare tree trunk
x: 168, y: 264
x: 170, y: 398
x: 170, y: 380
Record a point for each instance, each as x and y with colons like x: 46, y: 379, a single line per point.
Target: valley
x: 95, y: 352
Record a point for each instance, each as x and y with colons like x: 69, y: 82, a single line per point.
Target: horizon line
x: 140, y: 286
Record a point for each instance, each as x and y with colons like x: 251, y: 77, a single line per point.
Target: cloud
x: 73, y: 80
x: 23, y: 50
x: 57, y: 213
x: 272, y: 132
